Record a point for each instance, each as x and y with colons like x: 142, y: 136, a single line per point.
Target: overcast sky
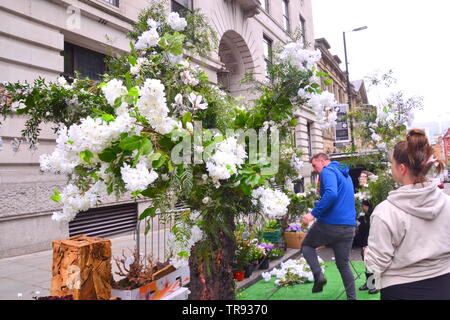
x: 409, y: 36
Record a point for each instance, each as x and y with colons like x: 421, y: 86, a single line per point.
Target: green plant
x: 242, y: 255
x: 275, y: 254
x: 272, y: 226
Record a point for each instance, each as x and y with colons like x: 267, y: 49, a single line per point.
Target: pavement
x: 447, y: 188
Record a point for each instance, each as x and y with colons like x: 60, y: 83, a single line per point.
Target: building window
x: 88, y: 63
x: 181, y: 6
x: 267, y: 49
x: 113, y: 2
x: 264, y: 4
x: 286, y: 23
x: 303, y: 30
x: 308, y: 130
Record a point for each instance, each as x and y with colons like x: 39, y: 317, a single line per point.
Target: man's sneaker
x: 319, y: 283
x: 364, y: 287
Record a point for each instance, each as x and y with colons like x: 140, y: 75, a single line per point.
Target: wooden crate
x: 82, y: 267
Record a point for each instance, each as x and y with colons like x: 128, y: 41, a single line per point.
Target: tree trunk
x: 215, y: 282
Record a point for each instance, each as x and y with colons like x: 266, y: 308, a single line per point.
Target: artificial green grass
x: 263, y: 290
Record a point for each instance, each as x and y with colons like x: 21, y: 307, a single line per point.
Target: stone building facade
x: 49, y: 38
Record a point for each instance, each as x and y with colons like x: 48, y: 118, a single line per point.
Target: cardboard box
x: 179, y: 294
x: 158, y: 289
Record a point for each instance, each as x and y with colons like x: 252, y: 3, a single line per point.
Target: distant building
x: 446, y: 143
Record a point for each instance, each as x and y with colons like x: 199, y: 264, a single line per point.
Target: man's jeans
x: 340, y: 238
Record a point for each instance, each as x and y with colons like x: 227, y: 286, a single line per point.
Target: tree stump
x: 82, y: 267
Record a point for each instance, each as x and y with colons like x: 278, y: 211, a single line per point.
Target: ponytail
x: 417, y: 154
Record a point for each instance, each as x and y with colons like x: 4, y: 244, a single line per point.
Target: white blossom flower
x: 152, y: 24
x: 139, y: 178
x: 206, y: 200
x: 179, y: 99
x: 228, y: 156
x: 274, y: 203
x: 196, y: 100
x: 175, y: 22
x: 149, y: 38
x: 299, y: 57
x: 266, y: 276
x: 152, y: 105
x: 113, y: 90
x: 182, y: 242
x: 376, y: 137
x: 188, y: 78
x: 63, y: 83
x: 74, y: 201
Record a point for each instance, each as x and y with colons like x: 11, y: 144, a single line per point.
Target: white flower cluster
x: 296, y: 163
x: 63, y: 83
x: 176, y: 22
x: 299, y: 57
x: 274, y: 203
x: 322, y: 105
x: 137, y: 179
x: 187, y: 237
x: 363, y: 195
x: 188, y: 78
x: 147, y: 39
x: 113, y: 90
x: 92, y: 135
x: 298, y: 267
x: 74, y: 201
x: 137, y: 67
x: 152, y: 105
x: 196, y: 101
x: 228, y: 156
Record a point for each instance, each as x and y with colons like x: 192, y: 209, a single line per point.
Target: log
x: 82, y: 267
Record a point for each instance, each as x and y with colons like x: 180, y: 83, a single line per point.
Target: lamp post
x: 349, y: 95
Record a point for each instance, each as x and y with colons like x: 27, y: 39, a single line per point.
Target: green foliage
x: 272, y: 225
x: 51, y: 103
x: 379, y: 189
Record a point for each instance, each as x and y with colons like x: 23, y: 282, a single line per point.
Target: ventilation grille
x: 105, y: 221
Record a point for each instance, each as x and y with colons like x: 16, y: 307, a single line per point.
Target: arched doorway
x: 237, y: 59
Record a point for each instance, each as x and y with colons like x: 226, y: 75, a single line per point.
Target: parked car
x: 442, y: 181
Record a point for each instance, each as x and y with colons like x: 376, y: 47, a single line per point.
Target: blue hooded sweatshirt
x: 337, y: 205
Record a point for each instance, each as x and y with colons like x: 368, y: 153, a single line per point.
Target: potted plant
x: 264, y: 250
x: 294, y: 235
x: 242, y: 258
x: 271, y: 231
x: 275, y: 254
x: 150, y: 280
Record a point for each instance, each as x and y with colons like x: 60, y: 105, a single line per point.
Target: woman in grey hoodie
x: 409, y: 241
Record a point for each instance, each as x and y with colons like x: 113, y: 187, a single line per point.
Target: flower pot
x: 294, y: 239
x: 248, y: 270
x: 239, y: 275
x: 264, y: 264
x: 272, y: 236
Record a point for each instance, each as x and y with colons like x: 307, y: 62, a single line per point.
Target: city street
x: 447, y: 188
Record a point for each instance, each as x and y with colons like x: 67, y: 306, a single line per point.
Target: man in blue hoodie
x: 335, y: 224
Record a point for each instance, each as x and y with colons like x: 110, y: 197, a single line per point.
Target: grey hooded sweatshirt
x: 409, y: 237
